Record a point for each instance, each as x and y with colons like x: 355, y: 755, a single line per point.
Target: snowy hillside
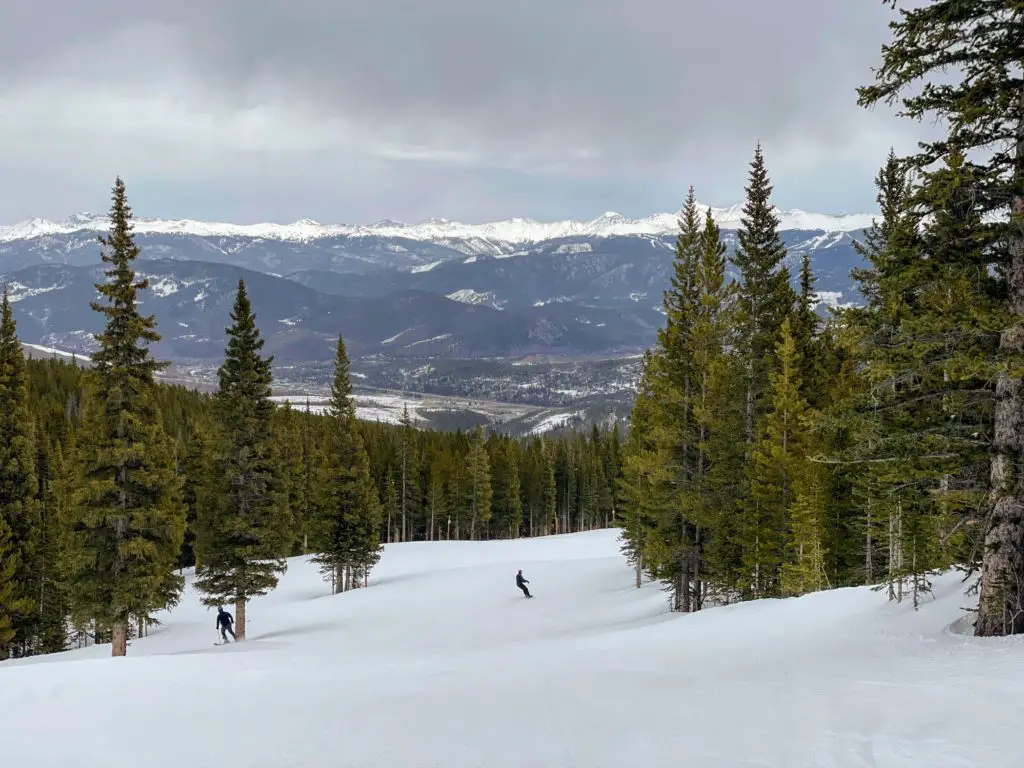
x: 442, y: 663
x: 516, y: 230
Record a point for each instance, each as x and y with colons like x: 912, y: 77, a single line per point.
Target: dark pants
x: 225, y: 630
x: 525, y: 590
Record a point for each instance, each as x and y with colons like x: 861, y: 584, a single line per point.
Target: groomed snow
x: 442, y: 663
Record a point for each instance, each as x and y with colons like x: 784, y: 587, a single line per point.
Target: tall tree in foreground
x: 984, y: 114
x: 765, y: 296
x: 348, y: 530
x: 242, y: 554
x: 18, y: 505
x: 128, y: 520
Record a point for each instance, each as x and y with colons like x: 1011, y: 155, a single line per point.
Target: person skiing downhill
x: 521, y: 583
x: 224, y: 622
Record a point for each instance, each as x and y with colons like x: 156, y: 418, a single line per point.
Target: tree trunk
x: 119, y: 639
x: 1001, y: 593
x: 240, y: 619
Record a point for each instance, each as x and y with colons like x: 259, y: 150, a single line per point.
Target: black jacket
x: 224, y: 618
x: 520, y: 580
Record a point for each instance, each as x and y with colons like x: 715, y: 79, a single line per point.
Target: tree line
x: 112, y: 482
x: 773, y: 451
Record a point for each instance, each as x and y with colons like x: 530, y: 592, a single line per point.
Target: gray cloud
x: 345, y: 110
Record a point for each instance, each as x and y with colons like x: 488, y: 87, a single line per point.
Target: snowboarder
x: 521, y: 583
x: 224, y: 622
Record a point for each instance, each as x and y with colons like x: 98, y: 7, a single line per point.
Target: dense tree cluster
x: 774, y: 452
x: 112, y: 483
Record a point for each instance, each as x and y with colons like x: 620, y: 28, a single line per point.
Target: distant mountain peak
x: 514, y: 230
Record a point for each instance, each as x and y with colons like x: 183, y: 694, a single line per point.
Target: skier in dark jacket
x: 224, y: 622
x: 521, y: 583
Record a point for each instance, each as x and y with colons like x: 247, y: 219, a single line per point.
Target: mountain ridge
x: 513, y: 230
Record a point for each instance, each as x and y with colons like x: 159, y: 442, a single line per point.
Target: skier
x: 521, y: 583
x: 224, y: 622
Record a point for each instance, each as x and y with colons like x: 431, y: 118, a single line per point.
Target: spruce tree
x: 18, y: 484
x: 765, y: 296
x: 13, y: 602
x: 984, y: 113
x: 349, y: 523
x: 128, y: 518
x: 247, y: 530
x: 479, y: 495
x: 58, y: 493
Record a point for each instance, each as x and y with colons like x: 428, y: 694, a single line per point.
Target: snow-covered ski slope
x: 443, y: 664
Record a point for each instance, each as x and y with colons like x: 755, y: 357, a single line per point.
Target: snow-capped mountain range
x: 439, y: 289
x: 517, y: 230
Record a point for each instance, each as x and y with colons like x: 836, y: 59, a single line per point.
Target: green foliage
x: 127, y: 517
x: 19, y: 507
x: 246, y: 535
x: 348, y: 529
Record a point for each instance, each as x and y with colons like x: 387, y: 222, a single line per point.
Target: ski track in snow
x: 443, y: 663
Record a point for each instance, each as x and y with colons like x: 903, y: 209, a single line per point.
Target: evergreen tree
x: 765, y: 296
x: 18, y: 484
x: 53, y: 601
x: 777, y: 470
x: 243, y: 557
x: 410, y: 471
x: 984, y: 115
x: 197, y: 495
x: 13, y: 602
x: 350, y: 524
x: 128, y: 518
x: 806, y: 329
x: 478, y: 484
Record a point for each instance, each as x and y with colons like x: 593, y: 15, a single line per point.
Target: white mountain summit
x: 515, y: 230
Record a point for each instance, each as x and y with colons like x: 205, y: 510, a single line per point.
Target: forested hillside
x: 110, y: 481
x: 773, y: 454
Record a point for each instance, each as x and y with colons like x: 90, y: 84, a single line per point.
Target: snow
x: 427, y: 267
x: 441, y: 337
x: 471, y: 296
x: 441, y: 662
x: 16, y: 291
x: 553, y: 421
x: 387, y: 409
x: 392, y: 339
x: 52, y: 352
x: 441, y: 231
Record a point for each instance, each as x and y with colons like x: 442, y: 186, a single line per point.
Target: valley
x: 510, y: 324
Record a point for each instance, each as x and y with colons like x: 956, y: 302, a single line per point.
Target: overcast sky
x: 353, y: 111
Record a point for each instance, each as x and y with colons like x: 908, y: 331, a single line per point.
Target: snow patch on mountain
x: 470, y: 296
x: 17, y: 291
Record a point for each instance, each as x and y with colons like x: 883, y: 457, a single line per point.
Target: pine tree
x: 18, y: 484
x: 349, y: 526
x: 128, y: 518
x: 984, y: 115
x: 806, y: 329
x: 478, y: 484
x: 707, y: 501
x: 13, y: 602
x: 776, y: 471
x: 58, y: 494
x: 765, y: 296
x: 243, y: 557
x: 410, y: 471
x: 197, y: 495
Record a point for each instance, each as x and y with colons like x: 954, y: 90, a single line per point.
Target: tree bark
x: 1001, y: 592
x: 119, y: 639
x: 240, y: 619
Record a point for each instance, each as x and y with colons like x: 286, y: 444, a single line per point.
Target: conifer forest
x: 772, y: 451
